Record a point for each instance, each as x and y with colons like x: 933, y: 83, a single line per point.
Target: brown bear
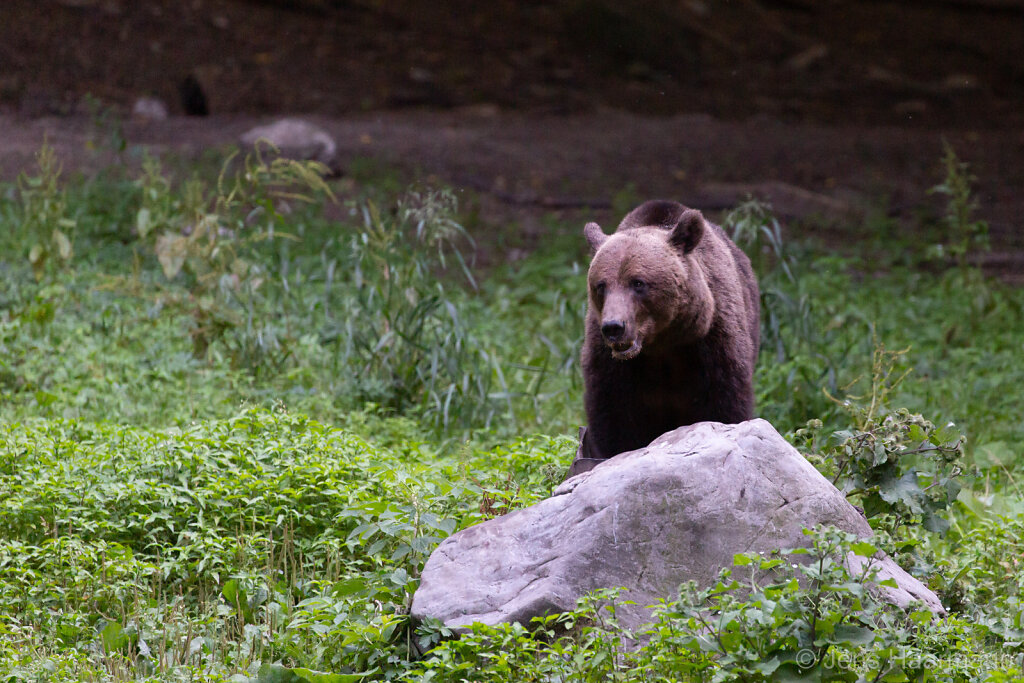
x: 672, y: 329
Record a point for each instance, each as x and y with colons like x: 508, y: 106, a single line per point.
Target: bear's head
x: 646, y: 284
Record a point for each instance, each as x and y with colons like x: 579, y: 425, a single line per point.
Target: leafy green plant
x: 755, y: 230
x: 45, y: 224
x: 978, y: 572
x: 107, y: 126
x: 768, y: 625
x: 799, y: 614
x: 803, y: 615
x: 161, y: 208
x: 897, y: 465
x: 216, y: 247
x: 581, y: 645
x: 964, y: 232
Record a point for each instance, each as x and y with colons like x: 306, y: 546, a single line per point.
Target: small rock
x: 150, y: 109
x: 647, y: 521
x: 297, y: 139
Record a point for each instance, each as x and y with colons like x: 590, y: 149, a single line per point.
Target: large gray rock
x: 647, y: 521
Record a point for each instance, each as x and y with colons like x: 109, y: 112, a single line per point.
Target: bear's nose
x: 612, y: 330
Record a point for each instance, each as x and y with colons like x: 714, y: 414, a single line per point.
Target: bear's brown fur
x: 672, y: 330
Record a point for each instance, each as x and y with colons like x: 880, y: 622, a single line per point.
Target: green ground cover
x: 232, y: 430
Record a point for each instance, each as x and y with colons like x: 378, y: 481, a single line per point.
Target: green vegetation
x: 232, y: 430
x: 963, y: 232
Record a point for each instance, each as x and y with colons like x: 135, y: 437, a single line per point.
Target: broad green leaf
x: 863, y: 549
x: 850, y: 634
x: 880, y: 455
x: 143, y: 222
x: 230, y: 592
x: 905, y: 489
x: 349, y: 586
x: 113, y: 637
x: 994, y: 455
x: 792, y: 672
x: 767, y: 667
x: 932, y: 522
x: 63, y: 245
x: 171, y: 251
x: 874, y: 505
x: 742, y: 560
x: 922, y: 617
x: 45, y: 398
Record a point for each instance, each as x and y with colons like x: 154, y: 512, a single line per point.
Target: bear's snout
x: 624, y: 345
x: 612, y: 330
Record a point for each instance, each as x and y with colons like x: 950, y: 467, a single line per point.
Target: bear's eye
x: 639, y: 286
x: 599, y: 289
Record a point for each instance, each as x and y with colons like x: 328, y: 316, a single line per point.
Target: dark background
x: 823, y: 107
x: 897, y: 62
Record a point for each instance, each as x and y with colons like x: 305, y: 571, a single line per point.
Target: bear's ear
x: 592, y: 231
x: 688, y: 231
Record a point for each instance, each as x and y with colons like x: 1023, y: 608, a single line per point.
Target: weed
x: 45, y: 225
x: 400, y: 332
x: 107, y: 127
x: 964, y: 232
x: 264, y: 537
x: 759, y: 234
x: 216, y: 247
